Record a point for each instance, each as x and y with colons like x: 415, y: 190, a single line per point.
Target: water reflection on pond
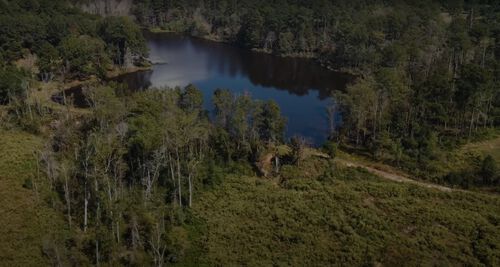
x: 300, y: 86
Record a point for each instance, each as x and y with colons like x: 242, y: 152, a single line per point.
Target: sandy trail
x: 395, y: 177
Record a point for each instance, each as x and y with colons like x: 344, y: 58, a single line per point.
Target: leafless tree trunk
x: 331, y: 109
x: 136, y: 237
x: 86, y: 162
x: 190, y: 190
x: 157, y: 243
x: 118, y: 231
x: 179, y: 184
x: 97, y: 218
x: 67, y: 198
x: 86, y: 204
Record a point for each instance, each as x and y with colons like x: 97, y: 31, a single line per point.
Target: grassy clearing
x: 26, y: 221
x: 484, y: 148
x: 352, y: 218
x: 43, y: 93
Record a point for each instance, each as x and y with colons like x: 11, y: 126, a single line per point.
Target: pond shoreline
x: 58, y: 89
x: 291, y: 82
x: 312, y: 55
x: 182, y: 59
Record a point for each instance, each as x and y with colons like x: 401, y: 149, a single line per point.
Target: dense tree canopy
x: 68, y: 43
x: 427, y: 70
x: 119, y: 171
x: 124, y: 39
x: 84, y: 55
x: 13, y: 84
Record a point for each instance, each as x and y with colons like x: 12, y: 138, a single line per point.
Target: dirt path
x: 394, y: 177
x: 487, y: 147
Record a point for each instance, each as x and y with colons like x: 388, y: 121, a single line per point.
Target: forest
x: 428, y: 70
x: 153, y: 178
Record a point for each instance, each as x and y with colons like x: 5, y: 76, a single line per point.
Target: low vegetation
x: 30, y: 227
x: 348, y: 218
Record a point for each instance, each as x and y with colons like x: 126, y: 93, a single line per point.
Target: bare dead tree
x: 157, y: 244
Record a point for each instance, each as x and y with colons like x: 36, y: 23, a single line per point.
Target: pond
x: 301, y: 87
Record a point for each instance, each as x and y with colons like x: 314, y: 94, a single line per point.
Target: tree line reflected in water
x: 180, y: 60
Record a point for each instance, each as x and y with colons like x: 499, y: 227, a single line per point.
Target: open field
x: 26, y: 221
x: 487, y: 147
x: 351, y: 218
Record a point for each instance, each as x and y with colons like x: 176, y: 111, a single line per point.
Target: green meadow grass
x: 352, y: 219
x: 486, y: 147
x: 26, y: 222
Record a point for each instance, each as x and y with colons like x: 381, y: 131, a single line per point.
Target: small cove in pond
x: 301, y: 87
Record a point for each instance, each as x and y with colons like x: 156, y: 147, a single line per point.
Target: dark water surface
x: 300, y: 86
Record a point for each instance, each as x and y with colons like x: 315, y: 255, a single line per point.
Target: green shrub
x: 489, y: 171
x: 330, y: 148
